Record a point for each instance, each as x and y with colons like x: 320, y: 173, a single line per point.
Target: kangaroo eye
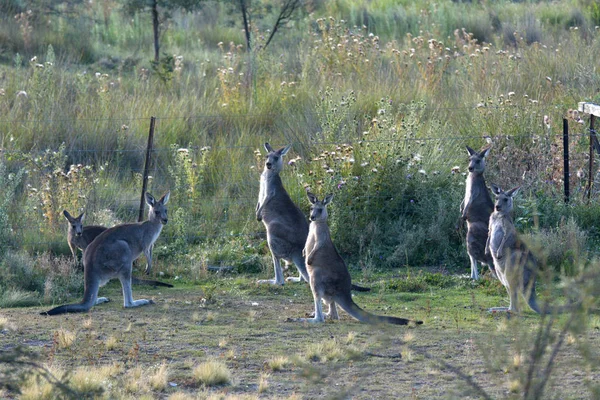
x: 157, y: 212
x: 275, y: 158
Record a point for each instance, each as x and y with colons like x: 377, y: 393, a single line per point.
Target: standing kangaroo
x: 476, y: 208
x: 286, y: 225
x: 79, y: 237
x: 112, y: 253
x: 330, y: 280
x: 515, y: 266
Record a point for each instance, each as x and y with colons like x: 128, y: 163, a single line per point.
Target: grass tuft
x: 64, y: 338
x: 159, y: 378
x: 212, y: 373
x: 278, y: 363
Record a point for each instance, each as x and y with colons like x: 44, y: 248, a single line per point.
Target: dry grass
x: 263, y: 382
x: 64, y: 338
x: 278, y: 363
x: 111, y: 343
x: 6, y: 324
x: 212, y: 373
x: 159, y: 378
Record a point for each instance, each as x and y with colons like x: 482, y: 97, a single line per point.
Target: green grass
x: 176, y: 335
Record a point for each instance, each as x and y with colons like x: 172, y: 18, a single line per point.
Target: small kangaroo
x: 79, y: 237
x: 111, y: 255
x: 515, y: 266
x: 286, y: 225
x: 476, y: 208
x: 330, y: 280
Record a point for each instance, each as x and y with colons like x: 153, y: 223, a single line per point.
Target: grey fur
x: 112, y: 253
x: 516, y: 266
x: 330, y: 280
x: 79, y: 237
x: 286, y: 225
x: 476, y: 208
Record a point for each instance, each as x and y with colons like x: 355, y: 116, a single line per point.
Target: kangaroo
x: 476, y: 208
x: 79, y: 237
x: 516, y: 266
x: 330, y: 280
x: 111, y: 255
x: 286, y: 225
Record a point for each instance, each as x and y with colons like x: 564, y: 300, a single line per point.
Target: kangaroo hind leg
x: 278, y: 280
x: 128, y: 301
x: 298, y: 260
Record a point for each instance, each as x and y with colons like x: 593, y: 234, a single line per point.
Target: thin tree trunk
x: 244, y: 8
x: 156, y: 30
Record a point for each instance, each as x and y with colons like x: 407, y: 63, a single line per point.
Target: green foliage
x: 391, y: 201
x: 9, y: 182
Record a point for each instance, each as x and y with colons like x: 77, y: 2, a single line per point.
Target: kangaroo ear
x: 285, y: 149
x: 68, y: 216
x: 327, y: 199
x: 81, y: 216
x: 513, y: 192
x: 496, y: 190
x: 268, y: 147
x: 471, y: 151
x: 485, y: 152
x: 165, y: 199
x: 150, y: 199
x: 311, y: 197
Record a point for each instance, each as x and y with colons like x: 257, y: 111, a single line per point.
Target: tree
x: 156, y: 7
x: 288, y: 7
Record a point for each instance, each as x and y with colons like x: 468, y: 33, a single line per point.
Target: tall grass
x: 378, y: 100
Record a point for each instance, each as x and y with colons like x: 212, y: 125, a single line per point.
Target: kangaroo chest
x: 500, y: 228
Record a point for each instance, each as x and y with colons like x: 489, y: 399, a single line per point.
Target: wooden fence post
x: 146, y: 168
x: 566, y: 158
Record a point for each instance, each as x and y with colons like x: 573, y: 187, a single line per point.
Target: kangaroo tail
x: 354, y: 310
x: 137, y: 281
x: 68, y: 308
x: 358, y: 288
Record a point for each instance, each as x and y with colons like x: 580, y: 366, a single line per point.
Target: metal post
x: 566, y: 158
x: 146, y: 168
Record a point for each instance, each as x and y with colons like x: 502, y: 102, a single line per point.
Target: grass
x: 301, y: 358
x: 379, y: 100
x: 212, y: 373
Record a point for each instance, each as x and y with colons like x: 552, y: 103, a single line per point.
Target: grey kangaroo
x: 286, y: 225
x: 79, y: 237
x: 330, y: 280
x: 476, y: 208
x: 111, y: 255
x: 515, y: 266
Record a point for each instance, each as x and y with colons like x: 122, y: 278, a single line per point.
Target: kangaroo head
x: 318, y: 209
x: 274, y: 158
x: 76, y: 224
x: 158, y: 211
x: 477, y: 160
x: 504, y: 200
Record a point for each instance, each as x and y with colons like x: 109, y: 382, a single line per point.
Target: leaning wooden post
x: 566, y: 158
x: 146, y: 168
x: 593, y: 141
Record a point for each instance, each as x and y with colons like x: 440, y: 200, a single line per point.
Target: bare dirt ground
x: 246, y: 326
